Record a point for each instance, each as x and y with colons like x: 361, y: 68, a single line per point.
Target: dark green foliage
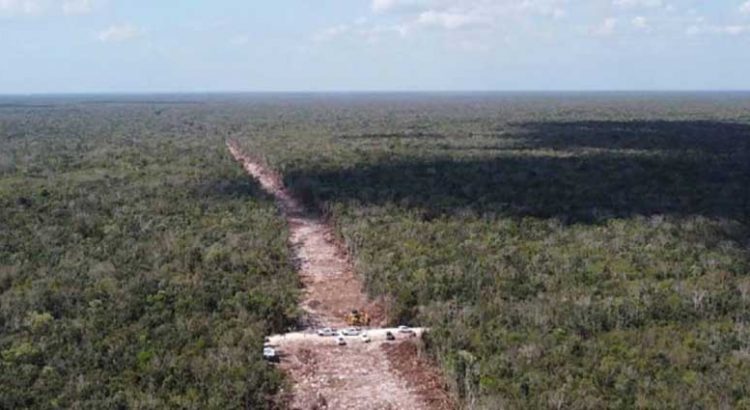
x: 574, y: 251
x: 139, y: 266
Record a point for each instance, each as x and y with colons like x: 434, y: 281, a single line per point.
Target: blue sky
x: 73, y: 46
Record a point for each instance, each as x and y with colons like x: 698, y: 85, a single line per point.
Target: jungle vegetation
x: 569, y: 251
x: 139, y: 266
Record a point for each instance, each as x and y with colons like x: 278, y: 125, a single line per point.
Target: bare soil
x: 375, y: 375
x: 355, y: 376
x: 409, y: 361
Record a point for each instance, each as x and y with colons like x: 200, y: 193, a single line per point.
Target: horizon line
x: 365, y: 91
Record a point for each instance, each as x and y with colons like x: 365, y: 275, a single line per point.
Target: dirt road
x: 377, y: 375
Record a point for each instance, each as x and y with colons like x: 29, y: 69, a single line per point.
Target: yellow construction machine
x: 357, y: 318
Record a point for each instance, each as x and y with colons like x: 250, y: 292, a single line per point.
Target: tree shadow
x: 392, y: 136
x: 707, y: 137
x: 231, y: 185
x: 577, y: 172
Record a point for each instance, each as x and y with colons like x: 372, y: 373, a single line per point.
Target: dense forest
x: 569, y: 251
x: 139, y: 266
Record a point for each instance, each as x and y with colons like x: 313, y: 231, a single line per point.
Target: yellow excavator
x: 357, y: 318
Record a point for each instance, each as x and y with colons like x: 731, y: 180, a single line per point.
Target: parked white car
x: 269, y: 353
x: 351, y: 331
x: 365, y: 338
x: 340, y: 341
x: 405, y: 329
x: 327, y: 332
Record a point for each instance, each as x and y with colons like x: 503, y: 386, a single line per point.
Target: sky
x: 143, y: 46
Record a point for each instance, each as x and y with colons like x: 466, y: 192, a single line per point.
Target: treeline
x: 139, y: 266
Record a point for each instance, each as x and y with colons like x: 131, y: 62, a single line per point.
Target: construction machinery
x: 357, y: 318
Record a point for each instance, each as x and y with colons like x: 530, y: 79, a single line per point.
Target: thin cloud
x: 46, y: 7
x: 380, y: 6
x: 637, y: 3
x: 331, y: 33
x: 745, y: 7
x: 729, y: 30
x: 119, y: 33
x: 605, y: 28
x: 734, y: 30
x: 411, y: 15
x: 385, y: 6
x: 21, y: 7
x: 639, y: 22
x: 486, y: 21
x: 75, y: 7
x: 448, y: 20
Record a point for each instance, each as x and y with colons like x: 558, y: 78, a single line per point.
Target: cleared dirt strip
x: 326, y: 375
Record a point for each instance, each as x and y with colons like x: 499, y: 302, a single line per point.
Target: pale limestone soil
x: 326, y: 376
x: 330, y: 288
x: 355, y: 376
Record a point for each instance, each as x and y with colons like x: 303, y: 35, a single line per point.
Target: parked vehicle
x: 270, y: 354
x: 389, y: 336
x: 327, y: 332
x: 365, y: 338
x: 351, y: 331
x: 405, y: 329
x: 340, y: 341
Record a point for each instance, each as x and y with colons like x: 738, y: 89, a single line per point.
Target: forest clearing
x: 578, y: 251
x: 354, y: 376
